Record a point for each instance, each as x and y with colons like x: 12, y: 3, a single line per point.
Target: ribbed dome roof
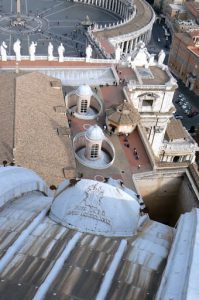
x: 95, y: 133
x: 16, y: 181
x: 96, y: 207
x: 84, y: 90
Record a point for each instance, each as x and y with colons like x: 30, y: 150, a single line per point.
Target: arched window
x: 94, y: 150
x: 84, y: 104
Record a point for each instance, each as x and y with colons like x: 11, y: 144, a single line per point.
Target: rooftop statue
x: 3, y: 48
x: 89, y: 51
x: 17, y: 49
x: 50, y: 51
x: 61, y: 51
x: 32, y: 50
x: 118, y: 52
x: 140, y: 56
x: 161, y: 57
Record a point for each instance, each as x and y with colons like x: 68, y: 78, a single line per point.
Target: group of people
x: 136, y: 155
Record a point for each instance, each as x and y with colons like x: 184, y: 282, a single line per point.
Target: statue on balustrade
x: 50, y: 51
x: 3, y: 51
x: 61, y: 51
x: 32, y: 50
x: 89, y: 51
x: 17, y: 49
x: 161, y: 57
x: 118, y: 52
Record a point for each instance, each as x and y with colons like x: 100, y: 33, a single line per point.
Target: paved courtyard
x: 47, y: 21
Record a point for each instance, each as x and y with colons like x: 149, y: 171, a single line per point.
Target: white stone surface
x: 96, y: 207
x: 61, y: 51
x: 99, y: 163
x: 179, y: 280
x: 89, y: 52
x: 140, y: 55
x: 15, y: 181
x: 32, y: 50
x: 84, y: 90
x: 118, y: 52
x: 50, y: 51
x: 95, y: 133
x: 193, y: 287
x: 17, y: 49
x: 3, y: 51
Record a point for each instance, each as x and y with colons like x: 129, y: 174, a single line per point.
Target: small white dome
x: 84, y: 90
x: 96, y: 207
x: 95, y: 133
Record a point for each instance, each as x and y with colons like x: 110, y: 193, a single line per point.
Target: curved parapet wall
x: 79, y: 143
x: 15, y: 181
x: 137, y: 22
x: 96, y: 105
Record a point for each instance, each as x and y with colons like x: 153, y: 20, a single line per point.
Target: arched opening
x: 95, y: 151
x: 84, y: 106
x: 53, y: 187
x: 176, y: 159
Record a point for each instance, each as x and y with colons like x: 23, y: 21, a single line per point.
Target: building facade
x: 184, y: 59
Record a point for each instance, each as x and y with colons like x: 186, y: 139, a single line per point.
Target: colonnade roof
x: 144, y: 15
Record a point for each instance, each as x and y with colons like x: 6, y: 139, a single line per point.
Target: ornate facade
x: 151, y: 93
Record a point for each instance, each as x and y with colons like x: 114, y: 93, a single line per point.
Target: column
x: 125, y: 12
x: 112, y: 6
x: 136, y: 41
x: 122, y: 46
x: 120, y: 8
x: 149, y: 35
x: 127, y: 47
x: 116, y: 6
x: 131, y: 46
x: 18, y: 7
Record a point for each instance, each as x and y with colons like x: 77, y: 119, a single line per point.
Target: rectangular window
x: 148, y: 103
x: 94, y: 151
x: 84, y: 104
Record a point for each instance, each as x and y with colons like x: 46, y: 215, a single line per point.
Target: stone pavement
x: 139, y: 162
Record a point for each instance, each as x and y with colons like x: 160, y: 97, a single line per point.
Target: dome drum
x: 95, y: 154
x: 83, y: 103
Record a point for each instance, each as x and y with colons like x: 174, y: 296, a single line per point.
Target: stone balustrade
x: 56, y: 59
x: 186, y: 147
x: 79, y: 142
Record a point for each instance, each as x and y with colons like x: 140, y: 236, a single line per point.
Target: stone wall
x: 167, y: 194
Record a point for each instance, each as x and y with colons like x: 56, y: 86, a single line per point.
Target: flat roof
x: 175, y: 130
